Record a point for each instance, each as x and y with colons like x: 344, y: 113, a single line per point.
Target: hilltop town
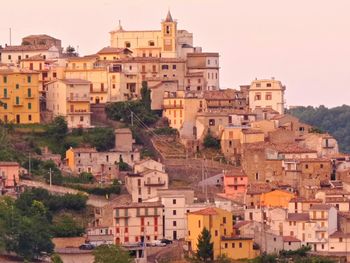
x: 138, y: 146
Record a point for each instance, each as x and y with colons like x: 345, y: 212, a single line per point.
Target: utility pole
x: 29, y: 165
x: 50, y: 177
x: 10, y: 36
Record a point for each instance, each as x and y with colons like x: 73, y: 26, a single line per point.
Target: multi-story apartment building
x: 267, y: 94
x: 70, y: 98
x: 137, y: 222
x: 208, y: 64
x: 19, y: 94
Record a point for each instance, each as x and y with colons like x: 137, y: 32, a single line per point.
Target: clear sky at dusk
x: 303, y: 43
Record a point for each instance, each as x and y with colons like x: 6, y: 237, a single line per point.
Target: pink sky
x: 303, y: 43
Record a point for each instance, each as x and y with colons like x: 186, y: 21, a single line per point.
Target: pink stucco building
x: 235, y: 183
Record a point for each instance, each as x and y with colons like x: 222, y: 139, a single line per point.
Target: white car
x: 157, y: 243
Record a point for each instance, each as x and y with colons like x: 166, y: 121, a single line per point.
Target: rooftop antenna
x: 10, y: 37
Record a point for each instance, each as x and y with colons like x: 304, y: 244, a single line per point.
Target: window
x: 29, y: 93
x: 321, y: 166
x: 5, y: 79
x: 268, y: 85
x: 257, y: 96
x: 174, y: 223
x: 224, y: 220
x: 5, y: 106
x: 81, y: 118
x: 174, y: 66
x: 29, y: 79
x: 5, y: 93
x: 233, y: 245
x: 268, y: 96
x: 306, y: 166
x: 174, y: 201
x: 17, y: 100
x: 165, y: 67
x: 102, y: 86
x: 211, y: 122
x: 151, y: 43
x: 240, y: 244
x: 174, y: 212
x: 9, y: 56
x: 29, y: 106
x: 226, y: 245
x: 17, y: 86
x: 199, y: 224
x: 216, y: 233
x: 29, y: 117
x: 127, y: 44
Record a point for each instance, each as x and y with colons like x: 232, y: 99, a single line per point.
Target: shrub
x: 211, y: 142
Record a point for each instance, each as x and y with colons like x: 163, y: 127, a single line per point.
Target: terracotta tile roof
x: 337, y: 200
x: 9, y: 164
x: 240, y: 224
x: 26, y: 48
x: 339, y: 234
x: 320, y: 207
x: 280, y: 148
x: 42, y: 36
x: 304, y: 200
x: 205, y: 211
x: 298, y: 216
x: 113, y: 50
x: 258, y: 188
x: 224, y: 94
x: 290, y: 239
x: 234, y: 172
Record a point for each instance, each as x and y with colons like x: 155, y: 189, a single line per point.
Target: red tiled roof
x: 281, y: 148
x: 225, y: 94
x: 205, y: 211
x: 298, y: 216
x: 339, y: 234
x: 240, y: 224
x: 26, y: 48
x: 113, y: 50
x: 320, y: 207
x: 290, y: 239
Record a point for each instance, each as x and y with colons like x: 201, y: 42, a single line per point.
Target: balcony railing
x: 172, y: 106
x: 154, y: 183
x: 78, y: 99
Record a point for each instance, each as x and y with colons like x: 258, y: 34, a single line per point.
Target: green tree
x: 111, y: 254
x: 101, y: 138
x: 66, y: 226
x: 123, y: 166
x: 146, y: 95
x: 58, y: 128
x: 55, y: 258
x: 211, y: 142
x: 204, y: 246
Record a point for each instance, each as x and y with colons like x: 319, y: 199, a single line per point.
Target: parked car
x: 156, y: 243
x: 86, y: 246
x: 166, y: 241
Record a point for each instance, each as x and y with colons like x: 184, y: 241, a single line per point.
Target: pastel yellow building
x: 219, y: 222
x: 181, y: 108
x: 276, y: 198
x: 70, y: 98
x: 19, y: 94
x: 166, y: 42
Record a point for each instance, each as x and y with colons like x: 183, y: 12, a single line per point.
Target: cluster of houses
x: 288, y: 187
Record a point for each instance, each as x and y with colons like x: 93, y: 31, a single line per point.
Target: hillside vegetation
x: 335, y: 121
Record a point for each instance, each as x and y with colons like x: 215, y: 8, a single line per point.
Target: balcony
x: 30, y: 97
x: 172, y: 106
x: 98, y: 91
x: 154, y: 183
x: 78, y: 112
x: 5, y: 98
x: 18, y: 104
x: 78, y: 99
